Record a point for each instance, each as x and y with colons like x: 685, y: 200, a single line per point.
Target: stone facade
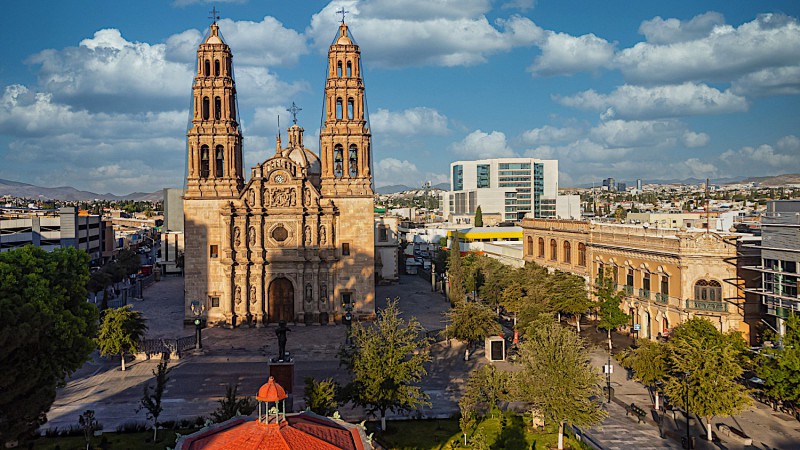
x: 295, y: 243
x: 668, y: 276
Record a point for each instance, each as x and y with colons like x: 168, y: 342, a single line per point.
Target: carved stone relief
x: 282, y: 197
x: 251, y: 236
x: 238, y: 296
x: 322, y: 237
x: 252, y: 294
x: 307, y: 235
x: 237, y: 237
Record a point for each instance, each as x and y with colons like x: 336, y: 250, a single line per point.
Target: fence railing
x: 153, y: 347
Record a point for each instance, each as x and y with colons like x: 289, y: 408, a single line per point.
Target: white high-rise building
x: 508, y: 189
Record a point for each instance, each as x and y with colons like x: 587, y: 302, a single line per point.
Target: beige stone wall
x: 681, y: 258
x: 355, y: 273
x: 203, y: 228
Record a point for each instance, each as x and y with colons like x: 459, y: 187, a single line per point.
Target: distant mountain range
x: 395, y: 188
x: 68, y: 193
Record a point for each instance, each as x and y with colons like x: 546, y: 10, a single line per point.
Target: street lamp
x: 688, y: 429
x: 197, y: 310
x: 348, y: 319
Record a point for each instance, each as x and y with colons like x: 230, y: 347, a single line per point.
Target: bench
x: 636, y: 411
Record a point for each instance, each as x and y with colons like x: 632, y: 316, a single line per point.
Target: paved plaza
x: 239, y: 356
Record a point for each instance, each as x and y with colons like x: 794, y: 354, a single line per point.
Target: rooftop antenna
x: 214, y: 14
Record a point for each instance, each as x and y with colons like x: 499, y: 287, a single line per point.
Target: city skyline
x: 642, y: 90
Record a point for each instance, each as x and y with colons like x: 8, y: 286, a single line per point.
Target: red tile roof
x: 271, y: 392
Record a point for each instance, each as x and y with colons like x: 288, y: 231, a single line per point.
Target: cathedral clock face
x: 279, y: 178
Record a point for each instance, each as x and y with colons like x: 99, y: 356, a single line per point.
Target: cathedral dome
x: 304, y: 158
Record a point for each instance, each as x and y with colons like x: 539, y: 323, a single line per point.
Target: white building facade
x: 508, y: 187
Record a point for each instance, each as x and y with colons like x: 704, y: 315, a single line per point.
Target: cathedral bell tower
x: 214, y: 140
x: 345, y: 136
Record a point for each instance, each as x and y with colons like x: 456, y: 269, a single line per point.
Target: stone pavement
x: 768, y: 429
x: 240, y: 356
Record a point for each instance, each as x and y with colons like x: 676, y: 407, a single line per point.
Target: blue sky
x: 96, y: 93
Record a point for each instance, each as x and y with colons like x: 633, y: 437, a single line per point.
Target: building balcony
x: 628, y: 289
x: 704, y: 305
x: 662, y: 298
x: 644, y: 293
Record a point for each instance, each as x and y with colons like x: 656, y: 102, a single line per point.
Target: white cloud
x: 773, y: 81
x: 522, y: 5
x: 263, y: 43
x: 789, y: 143
x: 669, y: 31
x: 723, y: 54
x: 478, y: 145
x: 398, y: 36
x: 549, y: 134
x: 637, y: 133
x: 259, y: 86
x: 563, y: 54
x: 638, y: 102
x: 691, y: 139
x: 759, y: 157
x: 395, y: 171
x: 108, y: 72
x: 413, y: 121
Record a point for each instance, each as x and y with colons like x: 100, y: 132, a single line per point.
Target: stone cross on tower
x: 342, y: 12
x: 294, y: 110
x: 214, y: 14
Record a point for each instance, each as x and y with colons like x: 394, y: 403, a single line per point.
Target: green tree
x: 129, y: 261
x: 387, y: 359
x: 455, y: 271
x: 478, y: 217
x: 231, y: 405
x: 555, y: 377
x: 495, y: 281
x: 115, y: 272
x: 320, y: 396
x: 121, y: 332
x: 780, y: 367
x: 88, y: 425
x: 151, y: 399
x: 98, y: 281
x: 707, y: 362
x: 608, y: 310
x: 471, y: 322
x: 46, y: 329
x: 648, y: 363
x: 486, y: 387
x: 569, y: 295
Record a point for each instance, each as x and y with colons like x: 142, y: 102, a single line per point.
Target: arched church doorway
x: 281, y: 300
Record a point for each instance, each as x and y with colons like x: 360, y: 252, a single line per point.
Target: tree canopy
x: 609, y: 312
x: 387, y: 359
x: 648, y: 363
x: 321, y: 396
x: 557, y: 379
x: 232, y: 405
x: 46, y: 330
x: 780, y: 367
x: 478, y: 217
x: 709, y: 363
x: 121, y: 332
x: 471, y: 322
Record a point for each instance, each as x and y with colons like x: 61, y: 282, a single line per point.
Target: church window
x: 217, y: 108
x: 353, y: 161
x: 350, y: 107
x: 214, y: 251
x: 349, y: 69
x: 553, y: 250
x: 339, y: 108
x: 206, y: 106
x: 338, y: 161
x: 567, y: 252
x: 582, y: 254
x: 204, y: 162
x: 216, y: 68
x: 345, y: 249
x: 339, y: 69
x: 280, y: 234
x: 220, y: 161
x: 207, y: 67
x: 541, y: 247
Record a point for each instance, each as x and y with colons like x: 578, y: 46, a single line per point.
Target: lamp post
x: 348, y: 320
x: 688, y: 429
x: 197, y: 310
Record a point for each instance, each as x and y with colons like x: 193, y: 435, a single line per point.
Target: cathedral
x: 294, y: 243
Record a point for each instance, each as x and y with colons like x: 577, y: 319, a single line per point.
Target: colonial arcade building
x: 296, y: 242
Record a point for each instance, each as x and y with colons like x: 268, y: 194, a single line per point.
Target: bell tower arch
x: 214, y: 139
x: 345, y: 137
